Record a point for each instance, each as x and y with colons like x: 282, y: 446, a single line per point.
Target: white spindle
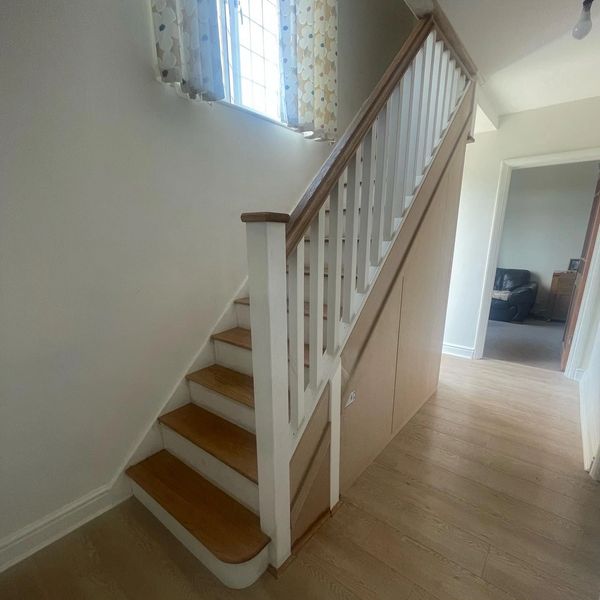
x: 417, y: 95
x: 334, y: 269
x: 296, y: 334
x: 366, y: 212
x: 267, y: 279
x: 427, y: 92
x: 403, y: 135
x: 378, y: 214
x: 448, y: 94
x: 453, y: 88
x: 350, y: 243
x: 391, y: 150
x: 315, y: 309
x: 439, y: 118
x: 462, y: 84
x: 434, y: 99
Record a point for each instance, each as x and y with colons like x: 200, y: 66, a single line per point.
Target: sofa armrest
x: 524, y: 293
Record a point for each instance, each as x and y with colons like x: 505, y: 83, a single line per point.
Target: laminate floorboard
x: 481, y: 496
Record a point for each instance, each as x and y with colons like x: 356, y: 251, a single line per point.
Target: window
x: 251, y: 55
x: 230, y: 50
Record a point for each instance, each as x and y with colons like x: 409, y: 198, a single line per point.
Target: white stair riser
x: 211, y: 468
x: 225, y: 407
x: 233, y: 357
x: 242, y: 312
x: 236, y: 576
x: 243, y: 316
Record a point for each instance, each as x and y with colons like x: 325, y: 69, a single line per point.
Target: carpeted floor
x: 534, y: 343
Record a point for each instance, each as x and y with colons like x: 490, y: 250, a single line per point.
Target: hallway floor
x: 481, y: 496
x: 534, y: 342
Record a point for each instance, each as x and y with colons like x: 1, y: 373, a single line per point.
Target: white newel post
x: 268, y: 318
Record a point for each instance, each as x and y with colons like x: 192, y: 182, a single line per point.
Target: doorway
x: 545, y: 239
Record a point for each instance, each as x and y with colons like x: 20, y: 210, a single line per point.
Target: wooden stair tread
x: 229, y: 530
x: 227, y: 442
x: 237, y: 336
x: 227, y: 382
x: 243, y: 338
x: 246, y: 302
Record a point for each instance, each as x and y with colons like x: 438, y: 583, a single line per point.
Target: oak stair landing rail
x: 310, y: 273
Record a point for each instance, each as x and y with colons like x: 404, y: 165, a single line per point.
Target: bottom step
x: 224, y: 535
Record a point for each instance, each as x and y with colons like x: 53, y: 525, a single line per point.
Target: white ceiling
x: 524, y: 50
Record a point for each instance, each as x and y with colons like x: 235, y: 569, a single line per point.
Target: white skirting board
x: 457, y: 350
x: 28, y: 540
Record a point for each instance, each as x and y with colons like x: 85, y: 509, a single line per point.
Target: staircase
x: 221, y: 484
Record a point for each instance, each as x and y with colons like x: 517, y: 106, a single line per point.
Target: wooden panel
x: 426, y: 280
x: 366, y: 423
x: 316, y: 498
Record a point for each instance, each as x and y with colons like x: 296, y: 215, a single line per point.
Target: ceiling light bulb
x: 584, y: 25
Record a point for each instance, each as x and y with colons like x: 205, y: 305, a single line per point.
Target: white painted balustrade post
x: 268, y: 319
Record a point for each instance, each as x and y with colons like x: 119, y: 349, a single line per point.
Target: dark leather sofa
x: 518, y: 296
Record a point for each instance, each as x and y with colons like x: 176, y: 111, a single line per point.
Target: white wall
x: 371, y: 31
x: 562, y: 128
x: 120, y: 237
x: 590, y: 404
x: 546, y: 219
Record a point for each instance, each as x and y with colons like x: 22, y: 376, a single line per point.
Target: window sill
x: 263, y: 117
x: 254, y: 113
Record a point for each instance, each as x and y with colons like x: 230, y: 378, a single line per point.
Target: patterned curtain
x: 309, y: 65
x: 188, y: 46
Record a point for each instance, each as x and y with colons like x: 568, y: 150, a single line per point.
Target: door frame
x: 591, y: 292
x: 589, y: 248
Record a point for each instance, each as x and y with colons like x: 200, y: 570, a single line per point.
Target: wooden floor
x: 482, y: 495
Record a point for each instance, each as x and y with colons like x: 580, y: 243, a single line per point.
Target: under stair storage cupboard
x: 358, y: 271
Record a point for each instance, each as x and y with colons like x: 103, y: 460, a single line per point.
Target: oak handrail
x: 331, y: 171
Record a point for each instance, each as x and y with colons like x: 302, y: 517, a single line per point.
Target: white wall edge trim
x: 457, y: 350
x: 506, y: 168
x: 585, y: 324
x: 587, y: 445
x: 33, y: 537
